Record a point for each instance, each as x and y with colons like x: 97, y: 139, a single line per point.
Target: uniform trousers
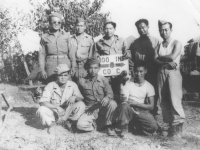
x: 47, y: 116
x: 170, y: 96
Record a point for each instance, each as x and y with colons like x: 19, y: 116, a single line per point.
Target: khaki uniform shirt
x: 95, y: 91
x: 80, y: 49
x: 52, y: 45
x: 53, y: 94
x: 119, y: 46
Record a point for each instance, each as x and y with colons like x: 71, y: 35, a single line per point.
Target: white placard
x: 112, y: 65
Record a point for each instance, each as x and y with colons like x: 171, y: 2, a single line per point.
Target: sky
x: 183, y: 14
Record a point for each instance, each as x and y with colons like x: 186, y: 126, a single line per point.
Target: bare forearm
x: 166, y: 58
x: 143, y: 106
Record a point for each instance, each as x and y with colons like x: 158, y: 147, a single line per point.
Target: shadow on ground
x: 29, y: 113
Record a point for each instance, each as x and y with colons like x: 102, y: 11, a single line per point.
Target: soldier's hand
x: 104, y: 101
x: 44, y: 74
x: 61, y: 111
x: 172, y: 64
x: 73, y: 71
x: 71, y: 100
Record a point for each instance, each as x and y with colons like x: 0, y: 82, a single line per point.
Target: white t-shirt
x: 138, y: 93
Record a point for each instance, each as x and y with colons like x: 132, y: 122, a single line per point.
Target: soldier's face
x: 63, y: 77
x: 140, y: 73
x: 109, y: 30
x: 143, y: 29
x: 165, y: 31
x: 80, y: 27
x: 93, y: 70
x: 55, y: 23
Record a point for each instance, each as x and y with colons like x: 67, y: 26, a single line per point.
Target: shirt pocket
x: 84, y: 48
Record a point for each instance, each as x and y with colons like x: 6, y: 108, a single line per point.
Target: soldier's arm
x: 158, y: 61
x: 91, y: 49
x: 42, y: 55
x: 175, y: 53
x: 72, y: 52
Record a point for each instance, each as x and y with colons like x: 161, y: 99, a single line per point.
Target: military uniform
x: 79, y: 51
x: 94, y: 91
x: 53, y: 95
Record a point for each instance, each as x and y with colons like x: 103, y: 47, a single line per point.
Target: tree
x: 14, y: 20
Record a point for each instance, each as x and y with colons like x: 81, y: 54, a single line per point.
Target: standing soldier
x: 111, y: 44
x: 54, y: 48
x: 142, y: 49
x: 80, y: 48
x: 167, y: 56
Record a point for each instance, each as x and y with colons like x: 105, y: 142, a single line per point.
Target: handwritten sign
x: 112, y: 65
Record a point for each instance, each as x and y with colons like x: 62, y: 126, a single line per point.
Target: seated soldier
x: 136, y: 102
x: 61, y: 100
x: 97, y: 94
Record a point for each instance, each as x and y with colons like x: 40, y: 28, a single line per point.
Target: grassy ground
x: 23, y: 131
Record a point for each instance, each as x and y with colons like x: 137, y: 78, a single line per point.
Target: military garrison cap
x: 110, y: 21
x: 78, y: 20
x: 56, y: 15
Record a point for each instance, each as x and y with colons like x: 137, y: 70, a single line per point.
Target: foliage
x: 14, y: 20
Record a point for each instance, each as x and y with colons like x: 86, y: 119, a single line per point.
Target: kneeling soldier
x: 61, y: 100
x: 97, y: 94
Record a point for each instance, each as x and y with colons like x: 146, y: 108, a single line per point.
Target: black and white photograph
x: 99, y: 74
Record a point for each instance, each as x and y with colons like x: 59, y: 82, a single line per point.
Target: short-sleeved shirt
x: 52, y: 93
x: 95, y: 90
x: 138, y: 93
x: 143, y: 49
x: 80, y: 48
x: 118, y: 46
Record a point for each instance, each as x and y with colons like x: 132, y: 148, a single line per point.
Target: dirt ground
x: 23, y: 131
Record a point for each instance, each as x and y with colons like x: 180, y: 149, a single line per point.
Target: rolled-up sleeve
x: 77, y: 92
x: 72, y: 52
x: 46, y: 95
x: 42, y: 55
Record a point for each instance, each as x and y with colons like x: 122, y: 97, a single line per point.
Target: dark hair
x: 112, y: 23
x: 140, y: 64
x: 140, y: 21
x: 169, y: 23
x: 86, y: 66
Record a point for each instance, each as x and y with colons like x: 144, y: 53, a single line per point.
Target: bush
x: 13, y: 22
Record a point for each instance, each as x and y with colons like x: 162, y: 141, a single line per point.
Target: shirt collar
x: 98, y: 79
x: 103, y: 40
x: 56, y: 88
x: 61, y: 31
x: 84, y: 35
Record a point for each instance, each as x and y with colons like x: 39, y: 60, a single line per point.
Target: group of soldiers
x: 76, y: 95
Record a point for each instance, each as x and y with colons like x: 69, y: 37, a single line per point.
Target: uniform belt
x: 168, y: 67
x: 57, y: 56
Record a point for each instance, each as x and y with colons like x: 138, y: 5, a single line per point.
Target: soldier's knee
x: 41, y: 110
x: 112, y: 104
x: 81, y: 104
x: 81, y: 124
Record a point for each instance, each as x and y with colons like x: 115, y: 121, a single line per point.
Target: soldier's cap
x: 162, y: 22
x: 55, y: 14
x: 109, y: 21
x: 92, y: 60
x: 61, y: 68
x: 78, y: 20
